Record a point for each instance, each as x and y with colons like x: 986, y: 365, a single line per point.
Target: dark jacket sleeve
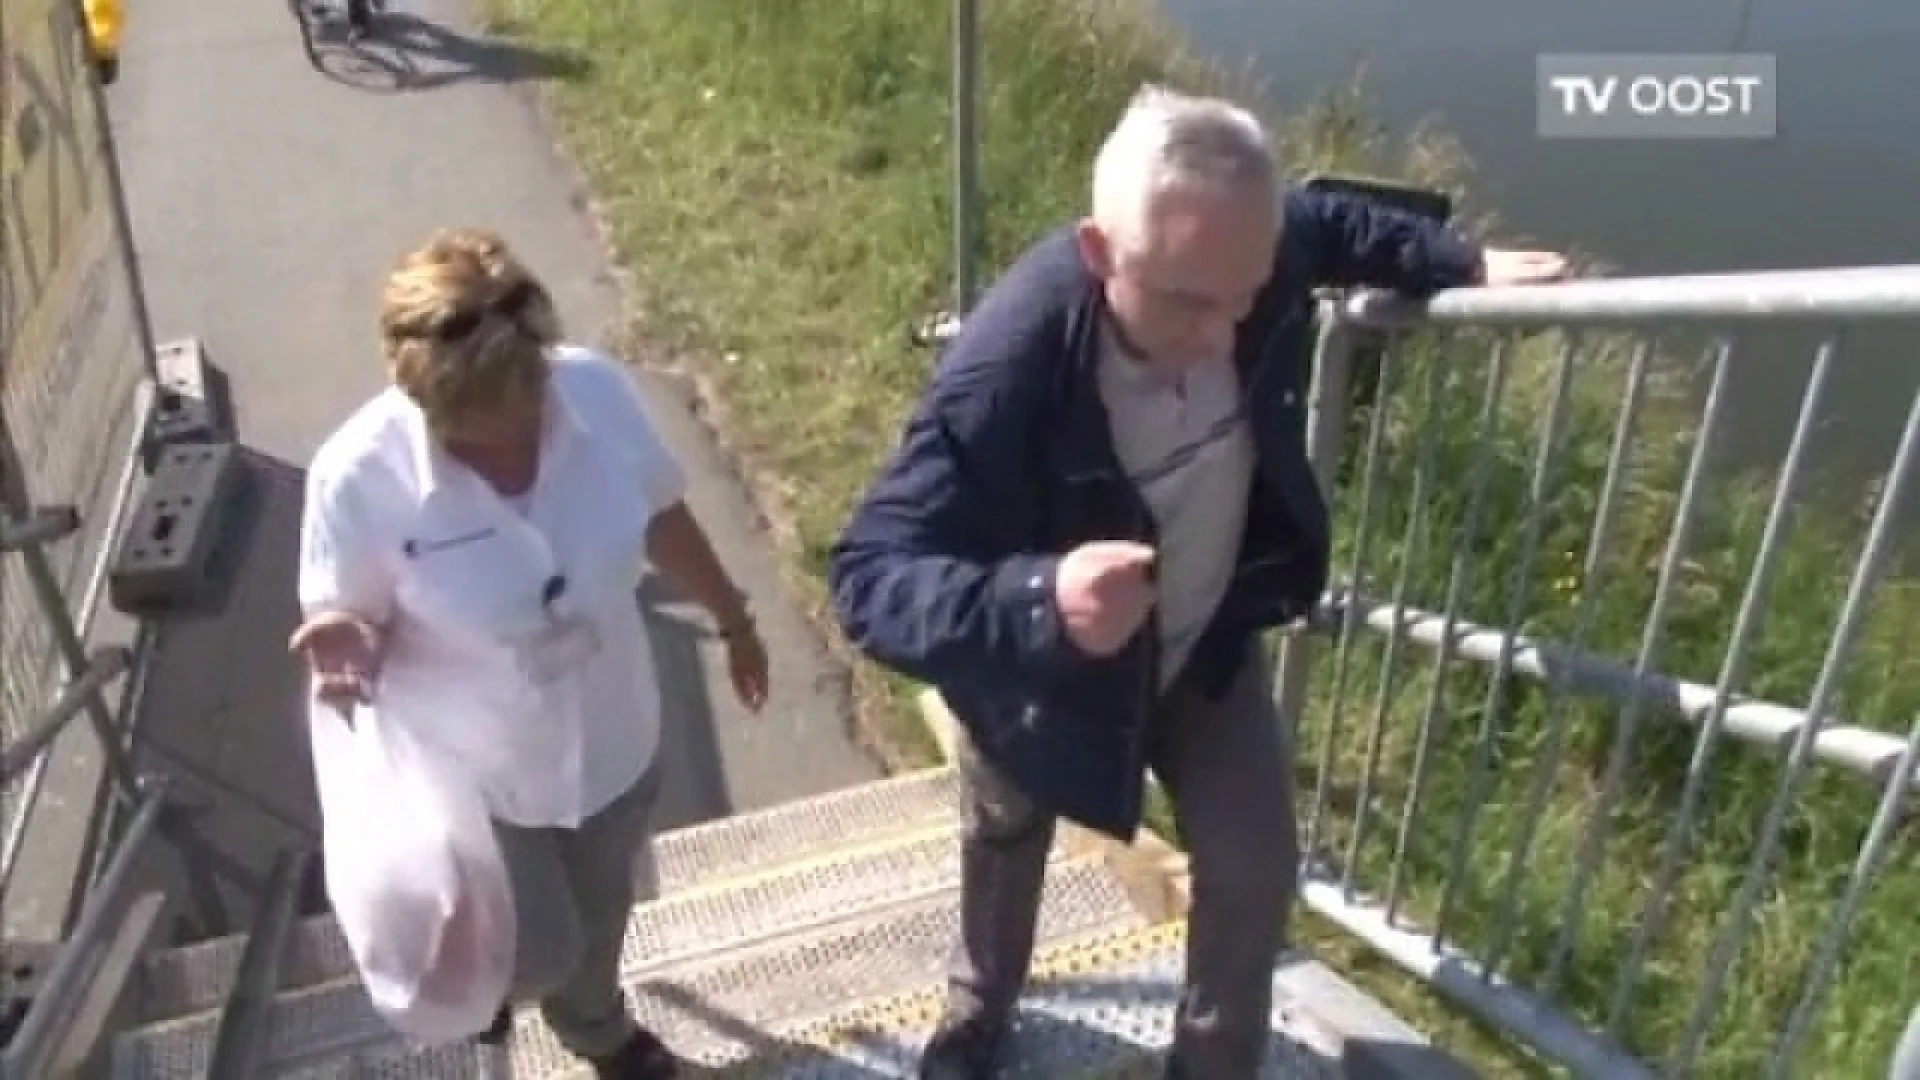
x: 1352, y: 242
x: 938, y: 574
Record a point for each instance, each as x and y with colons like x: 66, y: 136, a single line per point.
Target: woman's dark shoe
x: 501, y: 1029
x: 359, y: 19
x: 644, y: 1057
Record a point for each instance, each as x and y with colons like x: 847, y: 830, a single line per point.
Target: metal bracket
x: 166, y: 560
x: 186, y: 408
x: 23, y: 967
x: 935, y: 331
x: 82, y: 690
x: 43, y: 526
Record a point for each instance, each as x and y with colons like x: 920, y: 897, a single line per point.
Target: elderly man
x: 1100, y: 502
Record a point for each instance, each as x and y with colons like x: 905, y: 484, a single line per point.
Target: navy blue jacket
x: 945, y: 571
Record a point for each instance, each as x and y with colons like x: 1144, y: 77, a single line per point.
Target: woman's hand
x: 747, y: 664
x: 343, y: 653
x: 679, y: 549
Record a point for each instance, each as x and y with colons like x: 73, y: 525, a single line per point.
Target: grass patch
x: 777, y: 174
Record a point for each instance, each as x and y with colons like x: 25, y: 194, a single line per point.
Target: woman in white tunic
x: 477, y: 529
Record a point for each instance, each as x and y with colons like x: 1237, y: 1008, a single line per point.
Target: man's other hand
x: 1500, y: 266
x: 1105, y: 591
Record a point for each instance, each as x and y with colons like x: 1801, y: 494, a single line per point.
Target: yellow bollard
x: 106, y: 20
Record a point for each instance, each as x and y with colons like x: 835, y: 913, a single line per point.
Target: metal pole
x: 117, y: 200
x: 39, y: 1036
x: 240, y: 1039
x: 966, y: 152
x: 1327, y: 413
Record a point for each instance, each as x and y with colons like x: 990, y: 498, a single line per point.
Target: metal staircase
x: 803, y: 941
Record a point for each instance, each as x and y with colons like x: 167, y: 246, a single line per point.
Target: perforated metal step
x: 1100, y: 1006
x: 729, y: 912
x: 184, y: 981
x: 712, y: 1008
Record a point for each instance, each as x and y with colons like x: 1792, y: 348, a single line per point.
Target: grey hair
x: 1166, y: 138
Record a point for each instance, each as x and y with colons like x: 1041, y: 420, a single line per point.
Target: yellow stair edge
x: 745, y: 880
x: 1158, y: 877
x: 1154, y: 871
x: 692, y: 834
x: 1318, y: 1043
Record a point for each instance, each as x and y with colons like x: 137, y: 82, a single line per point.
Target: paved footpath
x: 268, y: 196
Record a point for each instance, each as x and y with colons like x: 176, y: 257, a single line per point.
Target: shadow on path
x: 406, y: 53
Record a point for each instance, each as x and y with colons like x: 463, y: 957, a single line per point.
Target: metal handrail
x: 1851, y: 293
x: 75, y: 981
x: 82, y: 619
x: 1476, y: 965
x: 241, y: 1038
x: 105, y: 934
x: 1767, y: 724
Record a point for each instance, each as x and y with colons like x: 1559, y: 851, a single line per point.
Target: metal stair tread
x: 719, y: 1013
x: 730, y: 913
x: 855, y: 954
x: 792, y: 830
x: 191, y: 979
x: 1101, y: 1005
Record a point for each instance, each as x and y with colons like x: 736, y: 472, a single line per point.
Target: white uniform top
x: 517, y: 645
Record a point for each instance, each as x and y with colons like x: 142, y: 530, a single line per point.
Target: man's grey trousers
x: 1227, y: 767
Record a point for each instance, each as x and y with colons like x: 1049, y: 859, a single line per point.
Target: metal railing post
x: 91, y: 967
x: 122, y: 220
x: 966, y: 154
x: 1328, y: 404
x: 240, y: 1039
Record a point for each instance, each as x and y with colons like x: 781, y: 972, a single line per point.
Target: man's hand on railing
x: 1500, y: 266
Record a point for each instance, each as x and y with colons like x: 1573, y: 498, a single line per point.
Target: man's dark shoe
x: 359, y: 19
x: 964, y: 1048
x: 644, y: 1057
